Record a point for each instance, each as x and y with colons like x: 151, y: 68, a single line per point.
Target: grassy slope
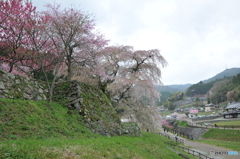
x: 32, y: 129
x: 223, y: 135
x: 224, y: 138
x: 31, y: 119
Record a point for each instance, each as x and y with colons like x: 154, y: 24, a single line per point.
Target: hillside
x: 219, y: 85
x: 89, y: 102
x: 225, y: 73
x: 203, y: 87
x: 38, y: 129
x: 80, y: 123
x: 21, y: 119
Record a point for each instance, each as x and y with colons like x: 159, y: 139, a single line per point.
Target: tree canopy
x: 64, y: 42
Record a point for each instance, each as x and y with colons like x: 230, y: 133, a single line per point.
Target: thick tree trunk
x: 11, y: 67
x: 69, y: 69
x: 69, y: 76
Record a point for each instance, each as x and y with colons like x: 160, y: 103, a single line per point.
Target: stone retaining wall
x: 190, y: 132
x: 13, y: 86
x: 92, y: 104
x: 95, y: 108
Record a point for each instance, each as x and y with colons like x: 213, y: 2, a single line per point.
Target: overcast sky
x: 198, y: 38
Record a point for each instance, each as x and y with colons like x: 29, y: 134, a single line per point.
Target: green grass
x: 224, y: 138
x: 42, y: 130
x: 223, y: 135
x: 148, y: 146
x: 180, y: 150
x: 182, y: 123
x: 20, y: 119
x: 185, y: 154
x: 226, y: 144
x: 235, y: 123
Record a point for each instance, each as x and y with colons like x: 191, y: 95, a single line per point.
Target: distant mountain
x: 182, y: 87
x: 166, y: 89
x: 173, y: 88
x: 225, y: 73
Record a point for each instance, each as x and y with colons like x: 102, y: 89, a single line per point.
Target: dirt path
x: 206, y: 148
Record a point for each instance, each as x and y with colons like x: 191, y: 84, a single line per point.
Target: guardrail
x: 189, y: 151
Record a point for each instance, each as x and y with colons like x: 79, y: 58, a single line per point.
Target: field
x: 148, y: 146
x: 224, y: 138
x: 229, y: 123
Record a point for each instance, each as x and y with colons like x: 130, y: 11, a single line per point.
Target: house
x: 209, y: 107
x: 232, y: 110
x: 235, y: 106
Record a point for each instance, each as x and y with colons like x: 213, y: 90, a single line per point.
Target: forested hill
x: 223, y: 78
x: 225, y: 73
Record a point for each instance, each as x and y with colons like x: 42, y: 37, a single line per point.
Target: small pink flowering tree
x: 47, y: 50
x: 74, y: 29
x: 15, y: 16
x: 166, y: 124
x: 27, y: 44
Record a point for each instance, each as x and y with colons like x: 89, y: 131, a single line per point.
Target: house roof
x: 233, y: 105
x: 231, y: 112
x: 209, y: 105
